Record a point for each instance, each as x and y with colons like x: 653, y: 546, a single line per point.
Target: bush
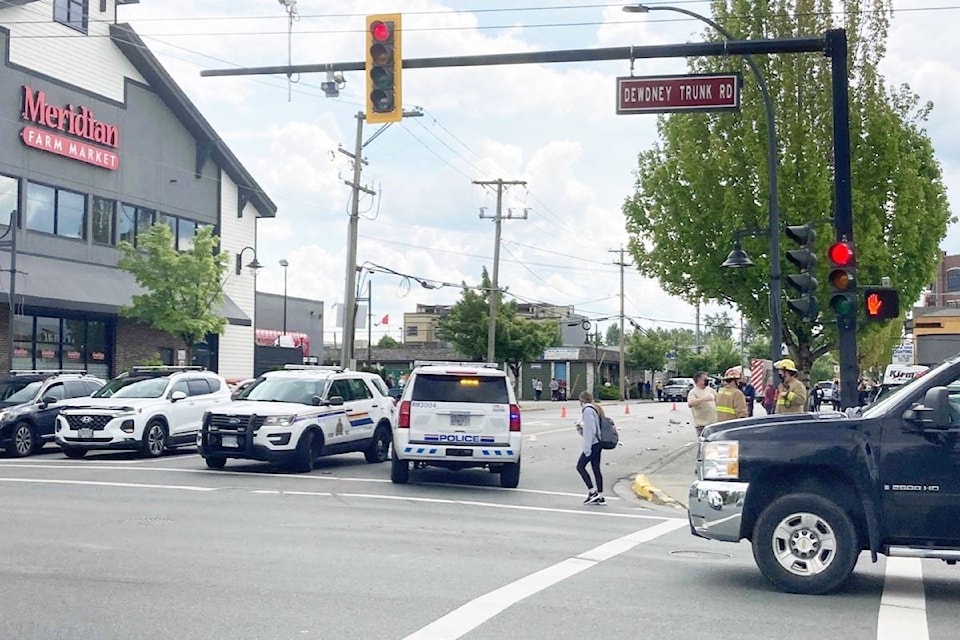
x: 608, y: 393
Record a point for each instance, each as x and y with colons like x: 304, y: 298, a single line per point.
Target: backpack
x: 609, y: 436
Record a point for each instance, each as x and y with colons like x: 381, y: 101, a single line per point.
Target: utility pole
x: 698, y: 326
x: 623, y: 365
x: 495, y: 289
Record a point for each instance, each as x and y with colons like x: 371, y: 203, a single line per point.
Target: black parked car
x: 30, y: 402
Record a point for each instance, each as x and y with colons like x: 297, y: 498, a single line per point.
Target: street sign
x: 665, y: 94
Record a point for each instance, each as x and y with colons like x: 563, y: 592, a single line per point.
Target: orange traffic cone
x: 626, y: 409
x: 563, y: 411
x: 674, y: 408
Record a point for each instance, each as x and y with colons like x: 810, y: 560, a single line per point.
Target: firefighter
x: 731, y: 402
x: 792, y: 395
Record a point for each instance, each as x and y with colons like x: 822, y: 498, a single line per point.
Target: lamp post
x: 776, y: 325
x: 253, y: 265
x: 284, y: 264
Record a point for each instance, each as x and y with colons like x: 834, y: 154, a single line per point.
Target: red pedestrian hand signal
x: 881, y: 303
x: 874, y: 303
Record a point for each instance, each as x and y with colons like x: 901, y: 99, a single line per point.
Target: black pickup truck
x: 811, y: 491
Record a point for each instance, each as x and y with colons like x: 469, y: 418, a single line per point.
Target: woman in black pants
x: 589, y: 428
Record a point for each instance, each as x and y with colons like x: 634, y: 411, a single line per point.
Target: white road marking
x: 94, y: 483
x: 903, y: 606
x: 471, y: 615
x: 295, y: 477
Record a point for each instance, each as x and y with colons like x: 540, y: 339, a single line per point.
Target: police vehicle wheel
x: 805, y: 543
x: 308, y: 450
x: 510, y: 475
x: 379, y: 449
x: 399, y: 470
x: 154, y: 440
x: 24, y: 440
x: 74, y: 453
x: 216, y: 462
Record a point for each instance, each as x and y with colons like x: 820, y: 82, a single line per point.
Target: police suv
x: 292, y: 417
x: 457, y: 416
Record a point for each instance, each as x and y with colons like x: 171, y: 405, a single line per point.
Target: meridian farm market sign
x: 75, y: 121
x: 664, y: 94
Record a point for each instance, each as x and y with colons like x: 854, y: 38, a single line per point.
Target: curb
x: 646, y: 491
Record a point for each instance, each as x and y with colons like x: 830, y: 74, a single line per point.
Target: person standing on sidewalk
x: 659, y: 390
x: 731, y: 403
x: 538, y: 389
x: 589, y: 428
x: 702, y: 402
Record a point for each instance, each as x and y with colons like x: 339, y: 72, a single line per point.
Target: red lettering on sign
x: 73, y: 149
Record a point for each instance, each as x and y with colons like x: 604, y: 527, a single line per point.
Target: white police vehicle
x: 292, y: 417
x: 457, y: 416
x: 148, y: 409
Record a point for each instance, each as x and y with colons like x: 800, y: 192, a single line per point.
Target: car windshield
x: 128, y: 387
x: 679, y: 382
x: 24, y: 394
x: 277, y: 389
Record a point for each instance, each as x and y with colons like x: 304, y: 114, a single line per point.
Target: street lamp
x: 284, y: 264
x: 773, y: 230
x: 253, y: 265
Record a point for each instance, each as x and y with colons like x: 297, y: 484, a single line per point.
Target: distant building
x: 304, y: 322
x: 935, y: 326
x: 420, y: 326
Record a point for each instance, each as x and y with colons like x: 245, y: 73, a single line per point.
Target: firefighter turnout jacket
x: 730, y: 404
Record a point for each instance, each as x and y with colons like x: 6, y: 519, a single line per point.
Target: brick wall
x: 138, y: 342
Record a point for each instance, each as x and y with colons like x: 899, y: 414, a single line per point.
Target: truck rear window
x: 439, y: 388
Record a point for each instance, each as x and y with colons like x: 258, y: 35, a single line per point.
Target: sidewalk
x: 668, y: 482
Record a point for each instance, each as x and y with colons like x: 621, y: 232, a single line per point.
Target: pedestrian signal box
x: 881, y: 303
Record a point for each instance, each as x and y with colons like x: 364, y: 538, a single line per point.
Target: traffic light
x: 881, y: 303
x: 805, y: 259
x: 384, y: 65
x: 843, y: 279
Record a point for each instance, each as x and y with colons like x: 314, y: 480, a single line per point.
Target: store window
x: 72, y: 13
x: 47, y: 345
x: 55, y: 211
x: 170, y: 221
x: 22, y: 343
x: 104, y: 215
x: 953, y: 280
x: 186, y: 230
x: 42, y: 342
x: 9, y: 197
x: 134, y: 221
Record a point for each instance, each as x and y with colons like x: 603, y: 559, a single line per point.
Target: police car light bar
x: 312, y: 367
x: 451, y: 363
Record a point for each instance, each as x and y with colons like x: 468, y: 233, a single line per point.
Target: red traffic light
x: 380, y: 31
x: 841, y: 253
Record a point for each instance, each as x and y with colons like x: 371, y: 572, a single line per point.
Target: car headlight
x: 721, y: 460
x: 3, y: 415
x: 279, y: 421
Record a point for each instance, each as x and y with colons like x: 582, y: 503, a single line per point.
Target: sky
x: 553, y: 127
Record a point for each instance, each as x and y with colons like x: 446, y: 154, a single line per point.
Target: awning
x: 51, y: 283
x: 271, y: 338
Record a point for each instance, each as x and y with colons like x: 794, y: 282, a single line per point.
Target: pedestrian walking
x: 659, y: 390
x: 731, y: 403
x: 769, y: 398
x: 750, y: 393
x: 702, y: 401
x: 554, y: 387
x: 646, y: 387
x: 538, y: 389
x: 792, y: 395
x: 589, y: 428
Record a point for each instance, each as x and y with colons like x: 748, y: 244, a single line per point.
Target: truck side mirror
x: 335, y: 400
x: 933, y: 412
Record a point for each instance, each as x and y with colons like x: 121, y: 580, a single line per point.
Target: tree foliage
x: 706, y: 177
x: 516, y: 339
x: 184, y: 290
x: 386, y: 342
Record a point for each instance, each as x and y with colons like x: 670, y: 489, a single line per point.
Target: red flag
x: 385, y: 319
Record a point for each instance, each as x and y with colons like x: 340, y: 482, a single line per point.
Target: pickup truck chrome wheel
x: 805, y: 543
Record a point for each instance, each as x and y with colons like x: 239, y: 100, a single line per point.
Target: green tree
x: 718, y: 325
x: 516, y: 340
x: 184, y: 290
x: 706, y: 177
x: 386, y: 342
x: 612, y: 337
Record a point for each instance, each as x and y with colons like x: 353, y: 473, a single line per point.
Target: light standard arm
x: 776, y: 323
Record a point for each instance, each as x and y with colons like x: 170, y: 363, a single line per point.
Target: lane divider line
x: 903, y: 606
x: 95, y: 483
x: 471, y: 615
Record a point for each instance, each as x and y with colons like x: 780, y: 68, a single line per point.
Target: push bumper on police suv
x: 715, y: 509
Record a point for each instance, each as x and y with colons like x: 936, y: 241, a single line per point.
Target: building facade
x: 299, y: 318
x: 420, y: 326
x: 99, y: 143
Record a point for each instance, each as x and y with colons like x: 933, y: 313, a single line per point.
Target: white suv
x: 294, y: 416
x: 149, y: 409
x: 457, y: 416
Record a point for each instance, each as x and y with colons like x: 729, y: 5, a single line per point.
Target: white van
x: 458, y: 416
x: 895, y: 375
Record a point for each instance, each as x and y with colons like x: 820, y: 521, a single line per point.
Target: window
x: 359, y: 389
x: 340, y: 388
x: 56, y: 211
x: 55, y: 391
x: 412, y: 330
x: 55, y: 343
x: 179, y: 385
x: 134, y: 221
x: 198, y: 387
x: 104, y: 216
x: 171, y: 222
x: 953, y: 280
x: 186, y: 229
x: 453, y: 388
x: 76, y: 388
x: 9, y: 197
x: 72, y: 13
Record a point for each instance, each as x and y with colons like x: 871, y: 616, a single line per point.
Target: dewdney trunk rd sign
x: 664, y: 94
x: 76, y: 121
